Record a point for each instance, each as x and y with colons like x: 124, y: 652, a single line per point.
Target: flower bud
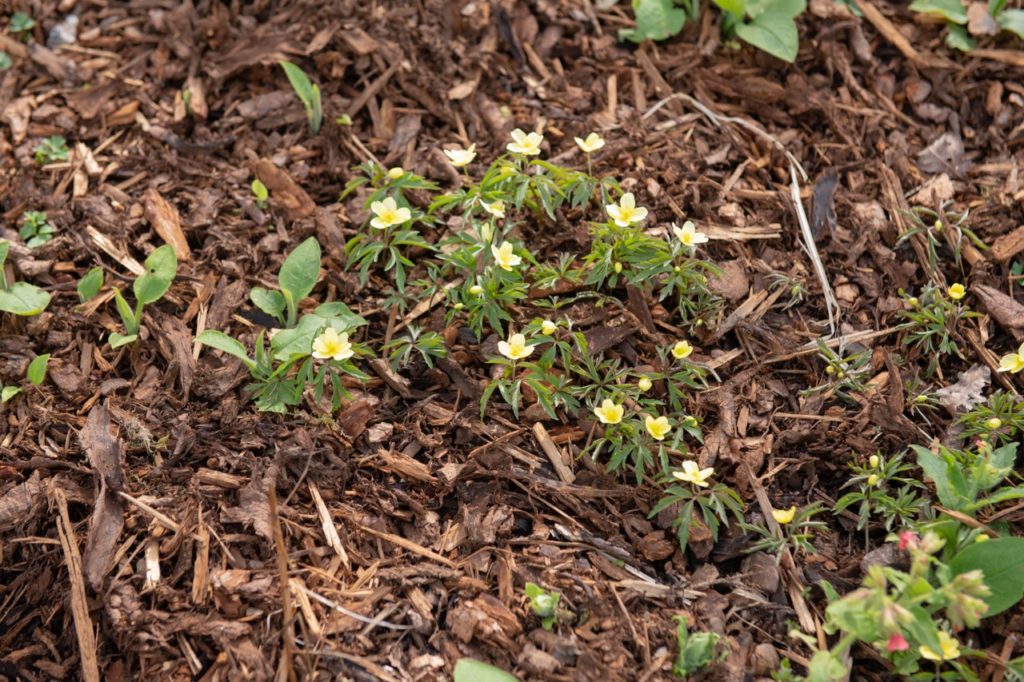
x: 644, y: 384
x: 617, y: 267
x: 873, y: 461
x: 396, y: 172
x: 994, y: 423
x: 873, y: 480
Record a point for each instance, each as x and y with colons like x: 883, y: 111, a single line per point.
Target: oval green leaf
x: 301, y: 269
x: 775, y: 34
x: 161, y: 266
x: 24, y: 299
x: 468, y: 670
x: 221, y: 341
x: 36, y: 372
x: 90, y: 284
x: 270, y: 302
x: 1001, y: 560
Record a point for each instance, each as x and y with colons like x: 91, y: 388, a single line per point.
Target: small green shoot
x: 308, y: 92
x: 260, y: 191
x: 5, y: 61
x: 297, y: 278
x: 544, y: 604
x: 697, y: 650
x: 35, y: 230
x: 51, y: 150
x: 21, y: 25
x: 161, y: 267
x: 429, y: 345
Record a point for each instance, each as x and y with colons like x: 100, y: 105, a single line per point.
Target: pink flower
x: 908, y: 538
x: 897, y: 643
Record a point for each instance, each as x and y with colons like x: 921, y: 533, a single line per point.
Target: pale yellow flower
x: 396, y: 172
x: 688, y: 235
x: 496, y: 208
x: 957, y: 291
x: 547, y: 327
x: 682, y: 350
x: 994, y: 423
x: 387, y: 214
x: 505, y: 257
x: 692, y: 473
x: 644, y: 384
x: 950, y: 649
x: 591, y: 144
x: 1013, y: 362
x: 527, y: 145
x: 461, y: 157
x: 331, y: 345
x: 873, y: 480
x: 609, y: 412
x: 784, y: 516
x: 626, y: 212
x: 873, y: 461
x: 515, y: 348
x: 658, y: 428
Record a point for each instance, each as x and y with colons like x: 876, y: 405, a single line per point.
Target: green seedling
x: 260, y: 191
x: 957, y: 20
x: 284, y: 368
x: 429, y: 345
x: 161, y: 267
x: 36, y: 375
x: 544, y: 604
x: 797, y: 527
x: 89, y: 286
x: 884, y: 487
x: 932, y: 323
x: 21, y: 25
x: 308, y: 92
x: 297, y: 278
x: 697, y: 650
x: 35, y: 230
x: 1000, y: 419
x: 19, y: 298
x: 52, y: 149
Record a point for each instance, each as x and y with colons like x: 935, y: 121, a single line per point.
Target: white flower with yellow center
x: 495, y: 208
x: 515, y: 348
x: 460, y: 158
x: 1012, y: 362
x: 591, y: 144
x: 626, y: 212
x: 331, y: 345
x: 505, y: 257
x: 658, y: 428
x: 387, y: 214
x: 608, y: 412
x: 527, y: 145
x: 692, y: 473
x: 547, y: 327
x: 688, y: 235
x: 682, y: 350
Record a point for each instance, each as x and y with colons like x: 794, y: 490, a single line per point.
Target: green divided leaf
x: 950, y: 10
x: 36, y: 372
x: 1001, y: 560
x: 25, y: 299
x: 468, y: 670
x: 772, y: 32
x: 655, y: 20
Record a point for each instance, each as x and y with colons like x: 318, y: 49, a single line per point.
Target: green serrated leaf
x: 775, y: 34
x: 950, y: 10
x: 468, y: 670
x: 24, y: 299
x: 90, y: 284
x: 1001, y: 560
x: 36, y: 372
x: 655, y: 20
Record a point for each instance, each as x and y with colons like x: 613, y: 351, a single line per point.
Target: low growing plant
x: 35, y: 229
x: 296, y: 280
x: 308, y: 92
x: 52, y: 149
x: 161, y: 267
x: 19, y: 298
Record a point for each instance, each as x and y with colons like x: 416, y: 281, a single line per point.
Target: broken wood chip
x: 107, y: 519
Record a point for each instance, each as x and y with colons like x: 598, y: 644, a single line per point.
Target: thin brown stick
x: 79, y: 605
x: 285, y: 667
